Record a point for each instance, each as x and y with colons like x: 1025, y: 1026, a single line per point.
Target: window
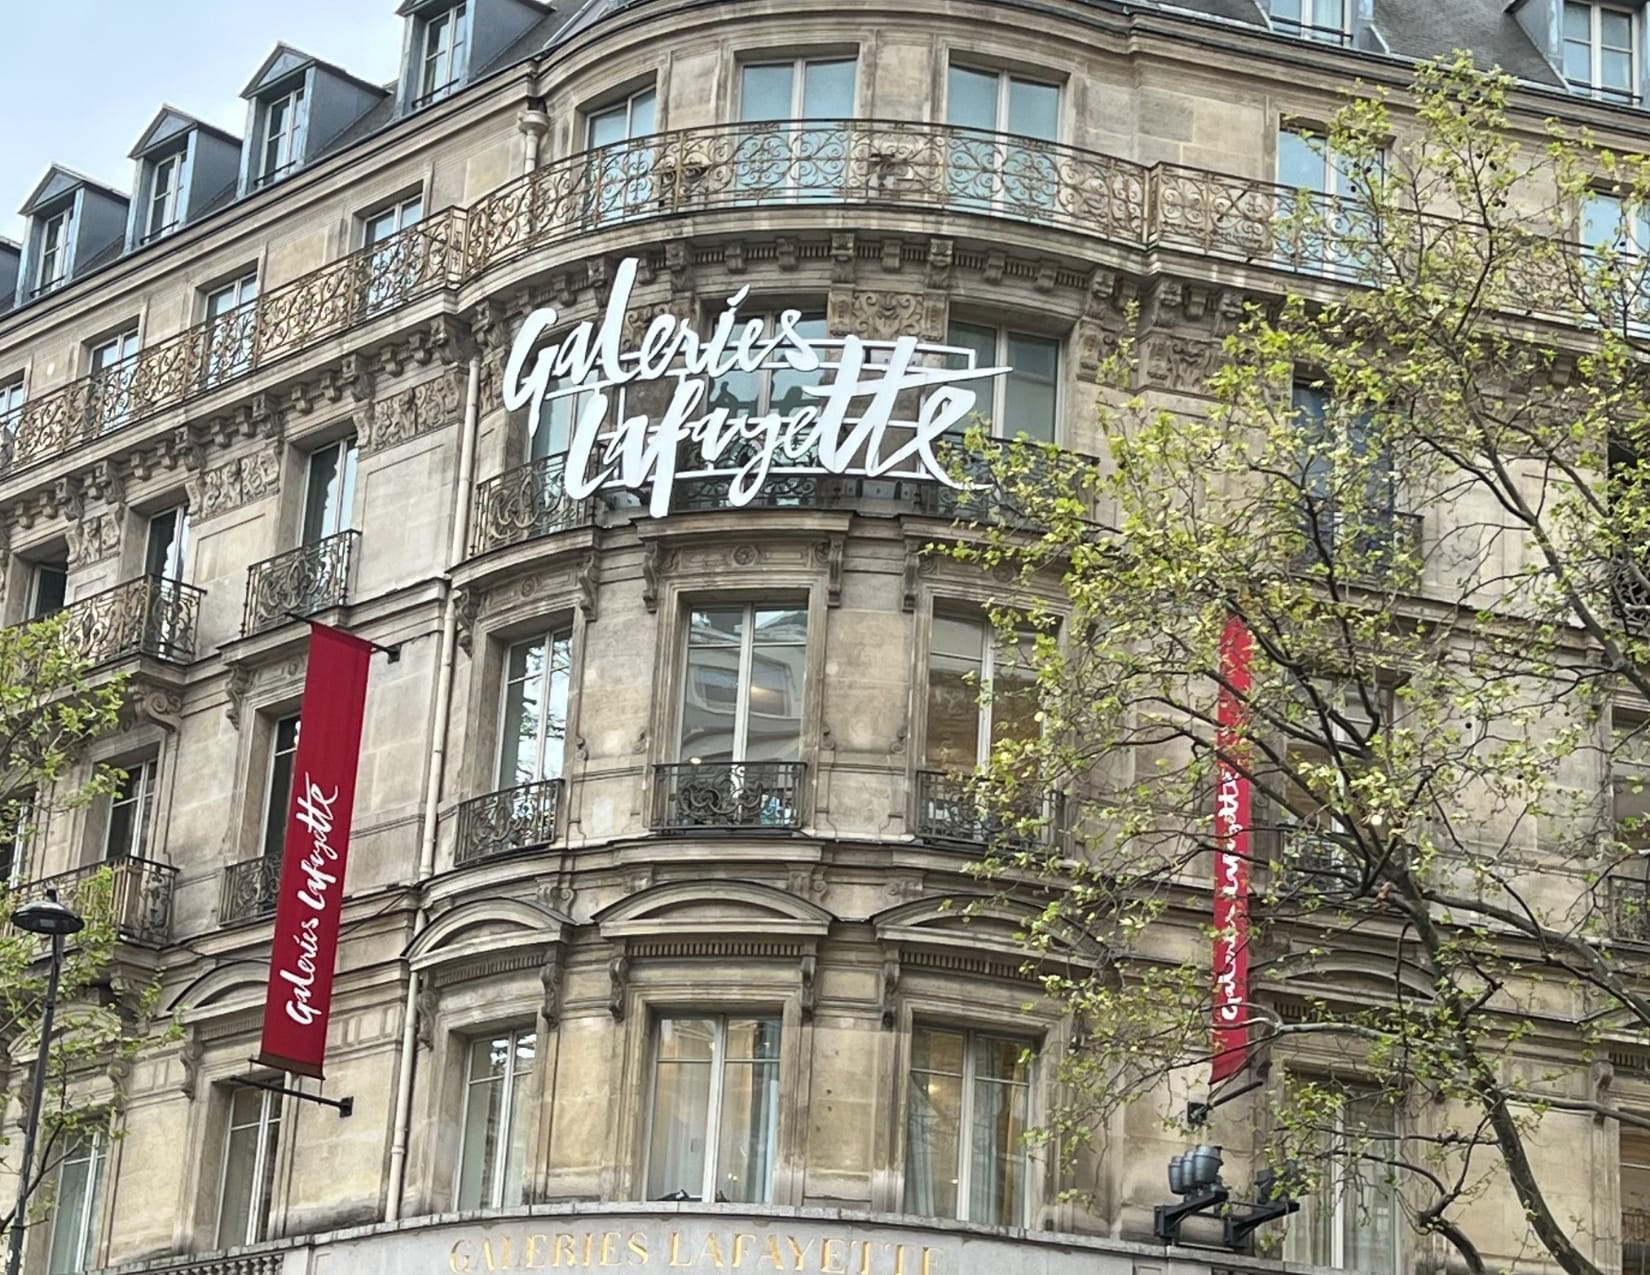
x: 165, y: 182
x: 964, y: 657
x: 1331, y: 226
x: 1348, y: 483
x: 278, y: 793
x: 392, y: 267
x: 230, y: 328
x: 75, y: 1209
x: 329, y: 491
x: 18, y: 816
x: 1635, y: 1201
x: 803, y: 162
x: 742, y: 694
x: 1351, y: 1223
x: 11, y: 407
x: 991, y: 171
x: 131, y: 812
x: 56, y: 233
x: 965, y: 1124
x: 246, y: 1182
x: 498, y: 1100
x: 166, y: 544
x: 442, y: 65
x: 283, y: 135
x: 1311, y: 19
x: 48, y: 587
x: 1024, y: 403
x: 1600, y: 50
x: 114, y: 362
x: 620, y: 181
x: 535, y: 709
x: 715, y: 1109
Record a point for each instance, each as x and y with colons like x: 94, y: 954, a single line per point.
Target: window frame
x: 284, y: 142
x: 1006, y: 77
x: 265, y: 1150
x: 87, y: 1225
x: 171, y: 163
x: 126, y: 340
x: 455, y: 19
x: 546, y: 637
x: 342, y: 520
x: 493, y: 1194
x: 973, y: 1036
x: 36, y: 570
x: 993, y: 651
x: 1299, y: 28
x: 1334, y: 1194
x: 18, y: 840
x: 276, y: 820
x: 799, y: 64
x: 146, y: 771
x: 1594, y: 86
x: 59, y: 253
x: 764, y: 1013
x: 996, y: 389
x: 747, y: 648
x: 13, y: 395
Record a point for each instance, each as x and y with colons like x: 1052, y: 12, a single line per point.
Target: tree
x: 1421, y: 486
x: 51, y: 707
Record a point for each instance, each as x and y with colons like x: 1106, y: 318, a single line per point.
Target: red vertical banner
x: 1232, y: 837
x: 305, y: 944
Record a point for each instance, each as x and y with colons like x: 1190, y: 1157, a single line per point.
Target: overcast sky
x: 81, y: 79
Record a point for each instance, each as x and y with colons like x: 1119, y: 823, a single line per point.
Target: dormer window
x: 442, y: 64
x: 1323, y: 20
x: 56, y: 234
x: 165, y: 182
x: 1601, y: 50
x: 283, y: 120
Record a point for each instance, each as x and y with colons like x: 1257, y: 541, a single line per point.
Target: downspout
x: 446, y: 659
x: 534, y: 122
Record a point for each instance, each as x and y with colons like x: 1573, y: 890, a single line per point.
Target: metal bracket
x: 391, y: 653
x: 345, y: 1107
x: 1198, y: 1113
x: 1166, y: 1218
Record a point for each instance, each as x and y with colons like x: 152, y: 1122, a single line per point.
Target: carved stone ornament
x: 93, y: 537
x: 237, y: 482
x: 550, y: 974
x: 890, y: 989
x: 190, y: 1056
x: 425, y: 1006
x: 618, y: 981
x: 882, y: 316
x: 404, y: 415
x: 240, y: 682
x: 810, y: 987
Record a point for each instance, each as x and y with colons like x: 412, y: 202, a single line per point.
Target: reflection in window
x: 131, y: 812
x: 1024, y: 403
x: 620, y: 177
x: 246, y: 1184
x: 742, y: 695
x: 966, y: 1112
x: 1351, y: 1224
x: 715, y: 1109
x: 535, y: 709
x: 1600, y: 50
x: 988, y: 169
x: 777, y: 154
x: 497, y: 1105
x: 966, y: 656
x: 75, y: 1210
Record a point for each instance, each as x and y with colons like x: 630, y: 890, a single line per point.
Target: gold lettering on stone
x: 773, y: 1253
x: 712, y: 1253
x: 737, y: 1251
x: 827, y: 1247
x: 530, y: 1258
x: 637, y: 1244
x: 459, y: 1260
x: 676, y: 1250
x: 610, y: 1240
x: 564, y: 1246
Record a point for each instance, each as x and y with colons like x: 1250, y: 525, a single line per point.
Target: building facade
x: 652, y: 954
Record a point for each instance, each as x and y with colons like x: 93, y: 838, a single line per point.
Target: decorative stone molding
x: 550, y: 978
x: 240, y: 682
x: 235, y: 483
x: 418, y: 409
x: 93, y: 537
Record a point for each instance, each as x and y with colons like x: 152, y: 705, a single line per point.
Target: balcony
x: 146, y: 616
x: 139, y: 896
x: 524, y: 504
x: 507, y: 822
x: 250, y: 889
x: 302, y: 581
x: 1627, y: 908
x: 757, y: 796
x: 899, y: 164
x: 1635, y: 1241
x: 952, y: 811
x: 1369, y: 545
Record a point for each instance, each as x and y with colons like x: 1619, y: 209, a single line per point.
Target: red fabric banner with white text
x: 1232, y: 833
x: 305, y: 945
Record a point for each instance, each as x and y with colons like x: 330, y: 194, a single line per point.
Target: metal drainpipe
x: 534, y: 122
x: 447, y: 657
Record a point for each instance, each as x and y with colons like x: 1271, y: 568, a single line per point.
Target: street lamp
x: 49, y: 917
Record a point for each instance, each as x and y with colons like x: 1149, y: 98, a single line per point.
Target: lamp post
x: 44, y: 916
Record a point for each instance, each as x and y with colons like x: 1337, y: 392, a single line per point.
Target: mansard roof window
x: 1600, y: 50
x: 281, y: 143
x: 443, y: 44
x: 298, y: 107
x: 56, y: 240
x: 1321, y: 20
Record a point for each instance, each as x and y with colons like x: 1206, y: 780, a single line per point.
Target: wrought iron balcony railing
x: 523, y: 504
x: 761, y: 795
x: 952, y: 811
x: 250, y: 889
x: 304, y: 580
x: 140, y: 895
x: 1635, y: 1242
x: 146, y: 616
x: 1627, y: 908
x: 903, y: 164
x: 501, y: 823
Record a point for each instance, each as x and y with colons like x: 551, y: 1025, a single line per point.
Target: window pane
x: 321, y: 494
x: 521, y: 1106
x: 1029, y: 391
x: 954, y: 663
x: 1615, y: 29
x: 997, y: 1171
x: 51, y: 587
x: 643, y: 108
x: 523, y: 705
x: 765, y: 92
x: 828, y: 90
x: 971, y: 98
x: 1578, y: 22
x: 240, y: 1169
x: 483, y: 1121
x: 278, y: 801
x: 933, y: 1123
x: 74, y: 1215
x: 1014, y: 694
x: 750, y: 1111
x: 1616, y: 70
x: 1301, y: 165
x: 1033, y: 109
x: 681, y: 1106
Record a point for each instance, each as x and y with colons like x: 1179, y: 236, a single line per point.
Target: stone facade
x: 590, y: 918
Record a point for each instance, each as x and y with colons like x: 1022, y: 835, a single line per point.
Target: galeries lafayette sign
x: 876, y: 408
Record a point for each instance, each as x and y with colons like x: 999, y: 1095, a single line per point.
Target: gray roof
x: 1428, y: 28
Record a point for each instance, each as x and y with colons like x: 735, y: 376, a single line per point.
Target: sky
x: 80, y: 80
